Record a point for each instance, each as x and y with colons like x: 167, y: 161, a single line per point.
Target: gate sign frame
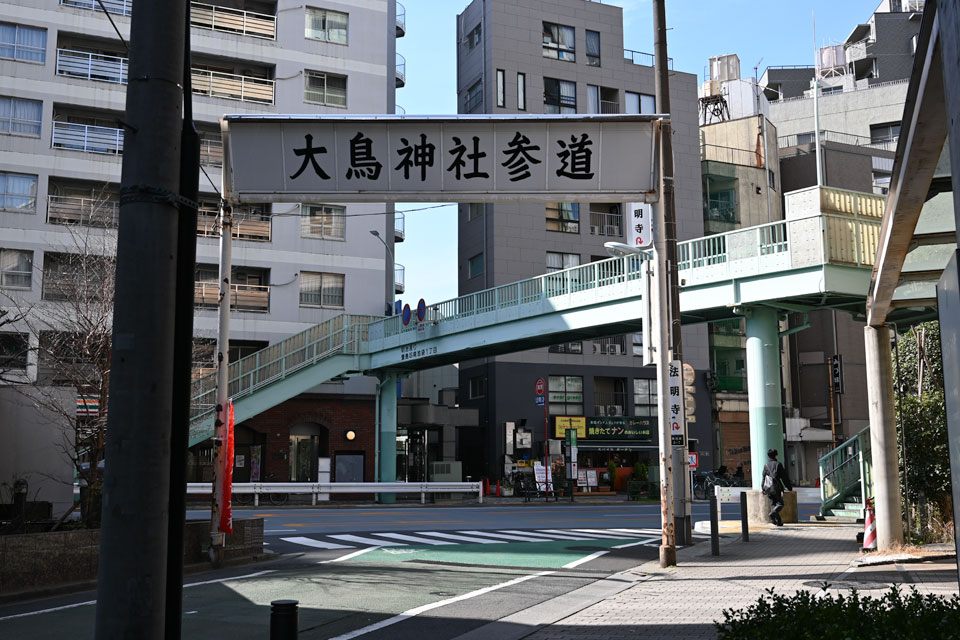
x: 540, y: 158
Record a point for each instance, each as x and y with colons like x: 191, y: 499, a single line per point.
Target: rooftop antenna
x: 816, y: 104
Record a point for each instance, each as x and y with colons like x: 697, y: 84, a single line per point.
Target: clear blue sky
x: 777, y: 31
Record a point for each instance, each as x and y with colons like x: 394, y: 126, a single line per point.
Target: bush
x: 805, y: 616
x: 639, y: 471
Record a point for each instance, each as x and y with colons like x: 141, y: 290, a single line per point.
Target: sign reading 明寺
x: 440, y: 158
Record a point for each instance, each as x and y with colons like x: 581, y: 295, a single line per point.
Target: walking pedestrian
x: 773, y: 481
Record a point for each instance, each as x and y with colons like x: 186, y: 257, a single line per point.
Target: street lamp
x: 393, y: 285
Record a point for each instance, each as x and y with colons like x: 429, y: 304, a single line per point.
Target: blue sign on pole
x: 539, y: 401
x: 421, y: 310
x: 406, y: 314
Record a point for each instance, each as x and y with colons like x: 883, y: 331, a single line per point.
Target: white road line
x: 349, y: 555
x: 550, y: 536
x: 634, y: 544
x: 451, y: 536
x: 584, y: 559
x: 408, y: 538
x: 505, y: 536
x: 319, y: 544
x: 276, y: 530
x: 410, y: 613
x: 89, y: 602
x: 618, y: 533
x: 645, y: 532
x: 373, y: 542
x: 586, y: 536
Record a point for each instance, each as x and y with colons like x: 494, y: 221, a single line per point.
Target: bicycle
x: 276, y: 498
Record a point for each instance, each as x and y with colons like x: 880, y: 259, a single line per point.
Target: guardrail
x: 85, y: 137
x: 232, y: 86
x: 401, y: 20
x: 243, y: 297
x: 92, y: 66
x: 211, y: 152
x: 119, y: 7
x: 401, y: 71
x: 90, y: 212
x: 225, y: 19
x: 322, y: 490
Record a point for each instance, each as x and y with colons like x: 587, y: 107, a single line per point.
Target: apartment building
x: 564, y: 57
x: 63, y: 73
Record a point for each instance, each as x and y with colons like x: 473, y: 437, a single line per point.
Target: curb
x: 875, y: 561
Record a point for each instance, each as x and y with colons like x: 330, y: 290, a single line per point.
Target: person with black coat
x: 773, y: 481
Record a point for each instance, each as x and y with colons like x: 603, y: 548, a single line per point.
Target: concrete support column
x: 883, y: 436
x: 763, y: 388
x: 388, y: 434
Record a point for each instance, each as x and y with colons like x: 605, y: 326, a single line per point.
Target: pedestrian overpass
x: 820, y: 257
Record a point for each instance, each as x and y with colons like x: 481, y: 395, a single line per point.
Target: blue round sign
x: 421, y: 310
x: 406, y: 314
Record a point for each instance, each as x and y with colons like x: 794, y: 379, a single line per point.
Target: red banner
x: 226, y: 512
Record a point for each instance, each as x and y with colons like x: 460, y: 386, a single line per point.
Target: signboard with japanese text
x: 606, y: 427
x: 570, y: 422
x: 639, y: 223
x: 836, y: 372
x: 439, y: 158
x: 676, y: 406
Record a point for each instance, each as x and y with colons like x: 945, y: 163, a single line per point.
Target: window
x: 522, y: 91
x: 26, y: 44
x: 567, y: 347
x: 13, y: 351
x: 644, y: 397
x: 18, y: 192
x: 806, y: 138
x: 593, y: 48
x: 563, y: 216
x: 475, y: 266
x: 501, y: 88
x: 474, y: 210
x: 20, y: 116
x: 565, y: 395
x: 772, y: 179
x: 889, y: 132
x: 593, y: 98
x: 478, y: 387
x: 324, y: 221
x: 473, y: 38
x: 828, y: 90
x: 559, y: 96
x: 641, y: 103
x: 321, y: 289
x: 474, y: 96
x: 325, y: 88
x: 16, y: 268
x: 559, y: 261
x: 330, y: 26
x: 558, y: 42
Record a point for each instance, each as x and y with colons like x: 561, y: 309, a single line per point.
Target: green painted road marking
x: 549, y: 554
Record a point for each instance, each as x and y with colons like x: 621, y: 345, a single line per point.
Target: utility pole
x: 666, y: 249
x: 223, y: 381
x: 134, y: 530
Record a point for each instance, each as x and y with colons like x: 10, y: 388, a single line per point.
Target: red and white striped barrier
x: 869, y: 529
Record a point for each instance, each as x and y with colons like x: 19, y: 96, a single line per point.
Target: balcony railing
x: 255, y: 229
x: 609, y: 403
x: 231, y: 86
x: 247, y: 23
x: 643, y: 59
x: 399, y: 227
x: 84, y: 137
x: 119, y: 7
x: 398, y: 278
x: 90, y: 212
x: 839, y: 137
x: 401, y: 71
x: 606, y: 224
x: 720, y: 211
x: 401, y: 20
x: 243, y: 297
x: 612, y: 346
x: 92, y: 66
x: 609, y: 106
x: 211, y: 153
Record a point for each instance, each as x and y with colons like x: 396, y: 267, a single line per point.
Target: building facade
x: 564, y: 57
x: 62, y: 97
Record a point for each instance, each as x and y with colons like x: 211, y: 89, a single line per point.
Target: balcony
x: 401, y: 71
x: 231, y: 86
x: 401, y: 20
x: 606, y: 224
x: 227, y: 20
x: 83, y: 137
x: 643, y: 59
x: 720, y: 211
x: 89, y: 212
x: 398, y: 278
x: 211, y: 152
x: 92, y: 66
x: 243, y: 297
x: 609, y: 106
x: 255, y: 229
x: 613, y: 346
x: 119, y: 7
x: 398, y: 227
x: 859, y: 50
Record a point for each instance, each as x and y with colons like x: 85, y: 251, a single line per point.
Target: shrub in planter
x: 805, y: 616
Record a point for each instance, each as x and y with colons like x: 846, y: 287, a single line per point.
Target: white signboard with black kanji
x: 439, y: 158
x: 676, y: 408
x: 639, y: 222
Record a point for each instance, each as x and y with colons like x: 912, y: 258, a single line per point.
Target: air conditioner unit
x: 611, y: 230
x: 614, y: 410
x: 594, y: 230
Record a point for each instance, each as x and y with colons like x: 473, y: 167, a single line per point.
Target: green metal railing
x: 847, y: 471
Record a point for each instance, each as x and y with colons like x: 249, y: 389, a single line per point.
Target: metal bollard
x: 744, y: 520
x: 714, y: 527
x: 284, y: 619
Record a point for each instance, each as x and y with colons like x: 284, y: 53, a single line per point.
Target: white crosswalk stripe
x: 413, y: 539
x: 549, y: 536
x: 506, y: 536
x: 319, y: 544
x: 373, y: 542
x: 467, y: 539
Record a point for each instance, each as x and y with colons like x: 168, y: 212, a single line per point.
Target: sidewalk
x: 683, y: 602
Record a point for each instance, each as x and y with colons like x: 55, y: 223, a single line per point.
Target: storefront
x: 623, y: 440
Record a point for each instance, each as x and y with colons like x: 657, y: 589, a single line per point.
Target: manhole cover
x: 848, y: 585
x: 585, y: 548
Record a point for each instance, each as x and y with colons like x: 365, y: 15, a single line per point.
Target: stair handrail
x: 844, y: 468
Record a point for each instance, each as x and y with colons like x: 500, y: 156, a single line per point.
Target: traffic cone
x: 869, y: 529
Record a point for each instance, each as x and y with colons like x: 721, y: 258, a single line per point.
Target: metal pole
x: 284, y: 619
x: 816, y: 107
x: 833, y: 422
x: 714, y: 526
x: 183, y: 350
x: 667, y: 273
x: 134, y: 527
x: 744, y: 518
x: 223, y: 379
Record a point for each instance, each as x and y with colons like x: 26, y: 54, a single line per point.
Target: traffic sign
x: 540, y: 401
x: 694, y: 460
x: 541, y: 386
x: 406, y: 314
x: 421, y: 310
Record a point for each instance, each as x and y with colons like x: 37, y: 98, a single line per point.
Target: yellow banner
x: 571, y: 422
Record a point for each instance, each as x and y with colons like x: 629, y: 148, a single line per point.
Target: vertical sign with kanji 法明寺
x: 676, y: 406
x: 639, y: 221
